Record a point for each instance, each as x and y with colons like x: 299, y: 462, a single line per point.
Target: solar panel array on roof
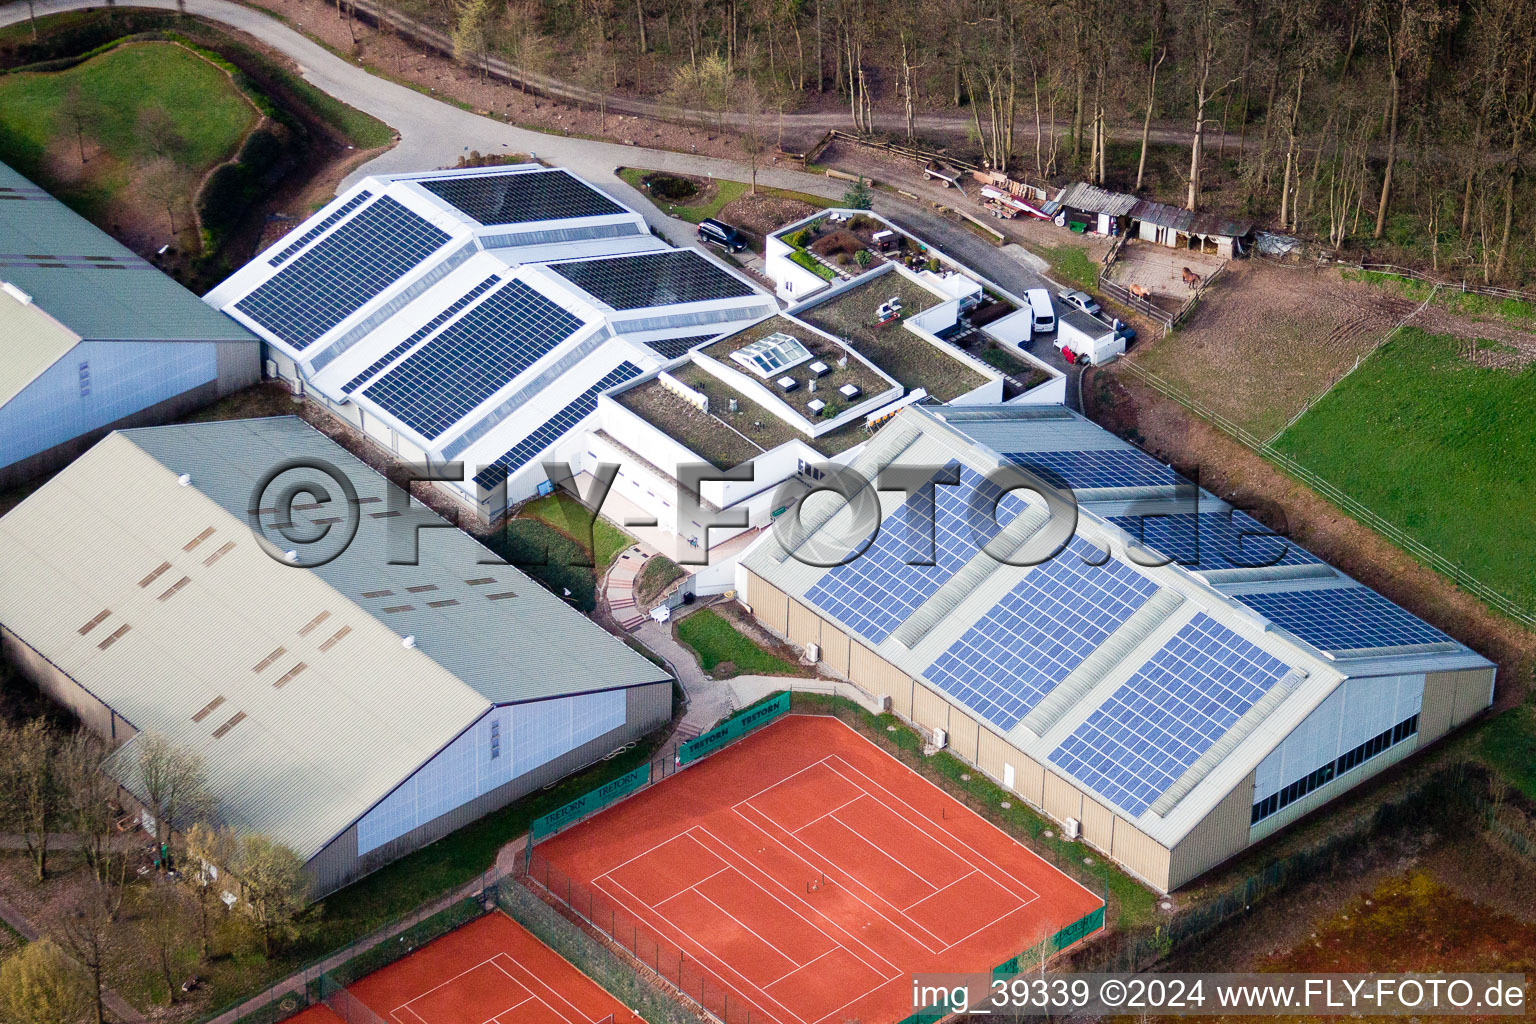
x: 474, y: 357
x: 341, y: 272
x: 519, y: 198
x: 1039, y: 632
x: 1214, y: 540
x: 552, y: 429
x: 1116, y: 467
x: 1185, y: 698
x: 671, y: 348
x: 1343, y: 618
x: 652, y: 279
x: 878, y: 590
x: 421, y: 332
x: 320, y: 228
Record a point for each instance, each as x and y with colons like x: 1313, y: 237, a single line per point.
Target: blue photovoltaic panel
x: 1343, y: 619
x: 1119, y: 467
x: 319, y: 229
x: 474, y: 357
x: 1170, y: 712
x: 652, y: 279
x: 1039, y: 632
x: 554, y: 428
x: 1214, y: 540
x: 345, y: 269
x: 522, y: 196
x: 425, y: 329
x: 874, y: 593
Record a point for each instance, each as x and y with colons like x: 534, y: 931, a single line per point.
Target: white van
x: 1044, y: 313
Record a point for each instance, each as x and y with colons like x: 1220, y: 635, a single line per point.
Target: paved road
x: 435, y: 134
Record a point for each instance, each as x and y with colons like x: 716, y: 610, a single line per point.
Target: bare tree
x: 79, y: 113
x: 1208, y: 20
x: 157, y: 131
x: 173, y: 782
x: 88, y: 796
x: 84, y: 934
x: 165, y: 183
x: 31, y: 795
x: 471, y: 34
x: 164, y: 930
x: 750, y: 111
x: 1157, y: 52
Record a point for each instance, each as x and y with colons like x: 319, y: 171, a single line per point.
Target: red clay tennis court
x: 490, y: 971
x: 810, y: 874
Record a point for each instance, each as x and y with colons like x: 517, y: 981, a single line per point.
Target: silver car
x: 1081, y: 300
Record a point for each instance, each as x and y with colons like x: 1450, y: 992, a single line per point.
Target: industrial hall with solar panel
x: 1176, y: 684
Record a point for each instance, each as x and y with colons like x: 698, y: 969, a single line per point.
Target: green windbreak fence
x: 1031, y: 957
x: 733, y: 728
x: 588, y: 803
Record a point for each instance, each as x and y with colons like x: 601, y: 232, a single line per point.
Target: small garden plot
x: 725, y: 651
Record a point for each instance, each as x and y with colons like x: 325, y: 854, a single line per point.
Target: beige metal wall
x: 1438, y: 708
x: 1220, y: 834
x: 60, y: 688
x: 1140, y: 854
x: 768, y: 603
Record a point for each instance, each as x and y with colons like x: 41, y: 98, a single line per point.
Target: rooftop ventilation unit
x: 185, y: 480
x: 819, y: 369
x: 816, y: 406
x: 788, y: 383
x: 409, y: 643
x: 850, y: 391
x: 291, y: 556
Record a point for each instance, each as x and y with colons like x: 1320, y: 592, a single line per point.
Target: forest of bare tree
x: 1393, y: 125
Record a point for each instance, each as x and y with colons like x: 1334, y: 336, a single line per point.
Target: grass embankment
x: 709, y: 204
x: 1071, y: 264
x: 717, y: 642
x: 138, y: 110
x: 1444, y: 448
x: 1516, y: 312
x: 556, y: 540
x: 660, y: 572
x: 1506, y: 743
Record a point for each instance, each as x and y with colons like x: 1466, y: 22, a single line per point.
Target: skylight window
x: 773, y: 354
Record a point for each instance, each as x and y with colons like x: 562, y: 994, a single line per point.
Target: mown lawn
x: 206, y: 118
x: 549, y: 540
x: 602, y: 539
x: 1071, y: 264
x: 716, y: 641
x: 1507, y: 743
x: 1443, y: 448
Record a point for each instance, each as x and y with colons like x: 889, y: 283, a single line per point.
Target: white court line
x: 948, y: 836
x: 906, y: 924
x: 527, y: 999
x: 936, y: 788
x: 882, y: 851
x: 935, y: 892
x: 753, y: 932
x: 710, y: 954
x: 806, y: 904
x: 801, y: 967
x: 426, y: 992
x: 776, y: 785
x: 681, y: 835
x: 551, y: 1007
x: 692, y: 888
x: 814, y: 820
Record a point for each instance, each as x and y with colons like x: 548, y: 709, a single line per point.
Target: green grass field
x: 716, y: 641
x: 1443, y: 448
x: 207, y: 114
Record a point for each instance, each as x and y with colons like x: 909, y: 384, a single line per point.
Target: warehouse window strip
x: 1333, y: 769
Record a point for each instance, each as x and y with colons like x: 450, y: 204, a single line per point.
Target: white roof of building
x: 444, y: 303
x: 1153, y: 685
x: 293, y: 683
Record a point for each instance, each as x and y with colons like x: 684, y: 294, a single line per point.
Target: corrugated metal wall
x: 61, y: 688
x: 1220, y: 834
x: 648, y: 708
